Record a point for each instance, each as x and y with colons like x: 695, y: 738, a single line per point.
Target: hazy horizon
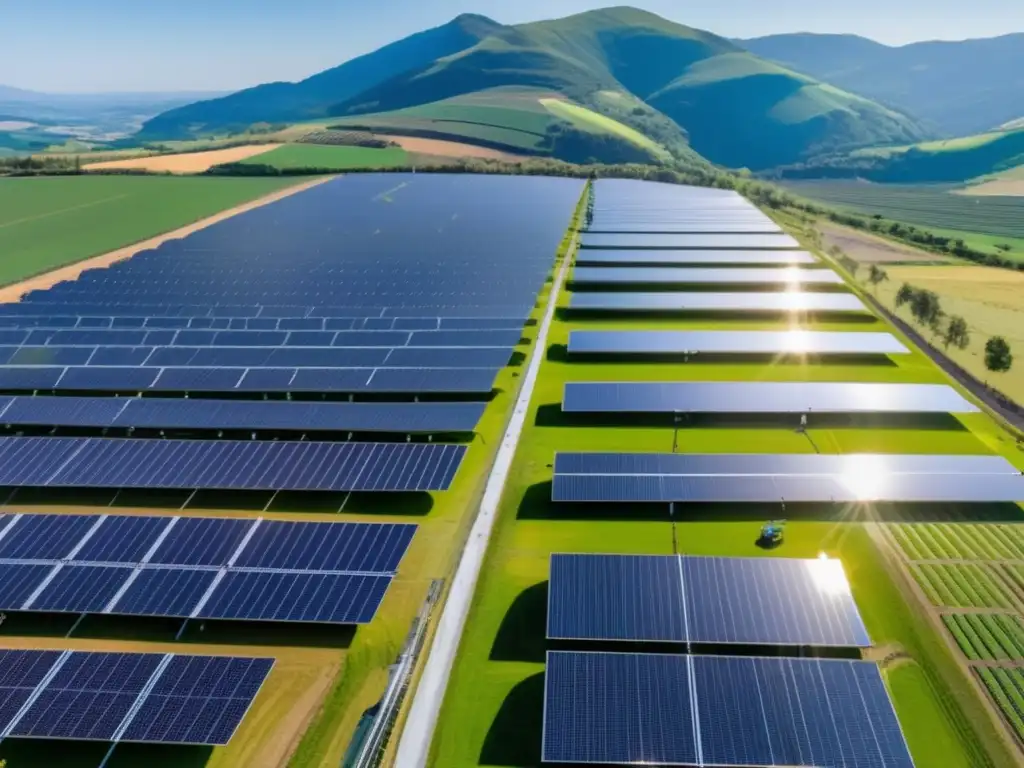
x: 222, y: 45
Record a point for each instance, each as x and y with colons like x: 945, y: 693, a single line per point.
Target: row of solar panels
x: 88, y: 462
x: 126, y: 697
x: 165, y: 413
x: 761, y: 397
x: 766, y: 277
x: 455, y: 381
x: 793, y: 342
x: 706, y: 242
x: 767, y: 478
x: 646, y: 709
x: 121, y: 337
x: 259, y: 357
x: 693, y: 258
x: 752, y: 302
x: 713, y: 600
x: 122, y: 307
x: 360, y: 323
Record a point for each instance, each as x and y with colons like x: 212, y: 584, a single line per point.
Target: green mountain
x: 670, y: 82
x: 960, y: 88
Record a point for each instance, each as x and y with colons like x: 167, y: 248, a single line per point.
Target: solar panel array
x: 734, y: 343
x: 719, y: 600
x: 787, y: 302
x: 735, y: 241
x: 790, y: 276
x: 173, y: 413
x: 761, y: 397
x: 126, y: 697
x: 716, y: 711
x: 204, y: 568
x: 95, y: 462
x: 682, y: 258
x: 780, y: 478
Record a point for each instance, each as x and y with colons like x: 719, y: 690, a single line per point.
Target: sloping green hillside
x: 951, y: 160
x: 679, y: 87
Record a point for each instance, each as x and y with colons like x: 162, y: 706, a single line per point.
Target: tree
x: 877, y: 275
x: 956, y: 333
x: 905, y: 295
x: 926, y: 308
x: 998, y: 356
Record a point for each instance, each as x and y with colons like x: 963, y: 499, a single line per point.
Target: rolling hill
x: 949, y: 160
x: 680, y: 87
x: 960, y: 88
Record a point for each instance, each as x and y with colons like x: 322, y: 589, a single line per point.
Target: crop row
x: 987, y: 636
x: 960, y: 541
x: 961, y: 586
x: 1006, y: 686
x: 925, y: 206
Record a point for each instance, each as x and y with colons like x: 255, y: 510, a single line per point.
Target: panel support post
x: 181, y: 630
x: 106, y: 757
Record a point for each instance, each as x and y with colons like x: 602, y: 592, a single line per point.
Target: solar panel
x: 340, y: 547
x: 761, y: 397
x: 296, y: 597
x: 789, y: 276
x: 20, y: 675
x: 631, y: 241
x: 718, y: 710
x: 80, y: 589
x: 198, y: 700
x: 18, y: 582
x: 636, y: 258
x: 201, y: 541
x: 782, y: 302
x: 44, y: 537
x: 748, y: 601
x: 170, y: 592
x: 734, y: 342
x: 226, y: 464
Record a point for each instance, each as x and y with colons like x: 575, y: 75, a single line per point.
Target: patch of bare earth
x: 15, y: 291
x: 444, y: 148
x: 866, y: 248
x: 997, y: 188
x: 188, y: 162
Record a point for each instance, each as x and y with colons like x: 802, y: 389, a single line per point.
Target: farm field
x: 987, y: 636
x: 982, y: 222
x: 187, y: 162
x: 335, y: 158
x: 492, y: 714
x: 48, y: 222
x: 1007, y: 688
x: 588, y: 120
x: 439, y: 148
x: 990, y: 299
x: 1006, y: 183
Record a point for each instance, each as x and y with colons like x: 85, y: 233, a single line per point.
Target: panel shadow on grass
x: 514, y: 738
x: 403, y: 503
x: 89, y: 754
x: 536, y: 504
x: 523, y: 632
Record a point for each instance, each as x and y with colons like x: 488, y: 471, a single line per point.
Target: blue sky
x: 132, y: 45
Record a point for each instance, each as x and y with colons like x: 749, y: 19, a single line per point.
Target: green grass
x: 334, y: 158
x: 1007, y: 688
x: 961, y: 586
x: 46, y: 223
x: 588, y: 120
x: 925, y: 205
x: 492, y: 711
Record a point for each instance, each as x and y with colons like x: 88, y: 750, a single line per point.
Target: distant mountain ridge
x: 659, y: 77
x: 960, y: 88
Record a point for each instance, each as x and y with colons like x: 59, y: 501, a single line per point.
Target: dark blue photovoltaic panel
x: 628, y: 241
x: 89, y: 697
x: 198, y: 700
x: 320, y: 379
x: 488, y: 338
x: 453, y: 380
x: 20, y: 674
x: 761, y: 397
x: 44, y: 537
x: 616, y: 597
x: 449, y: 357
x: 770, y: 601
x: 30, y: 378
x: 201, y: 541
x: 197, y: 379
x: 46, y: 355
x: 172, y: 592
x: 122, y: 539
x: 790, y: 276
x: 106, y: 379
x: 296, y: 597
x: 17, y: 583
x: 226, y: 464
x: 332, y: 547
x: 81, y: 589
x: 597, y: 257
x: 796, y: 712
x: 735, y: 342
x: 618, y: 708
x: 755, y: 302
x: 65, y: 411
